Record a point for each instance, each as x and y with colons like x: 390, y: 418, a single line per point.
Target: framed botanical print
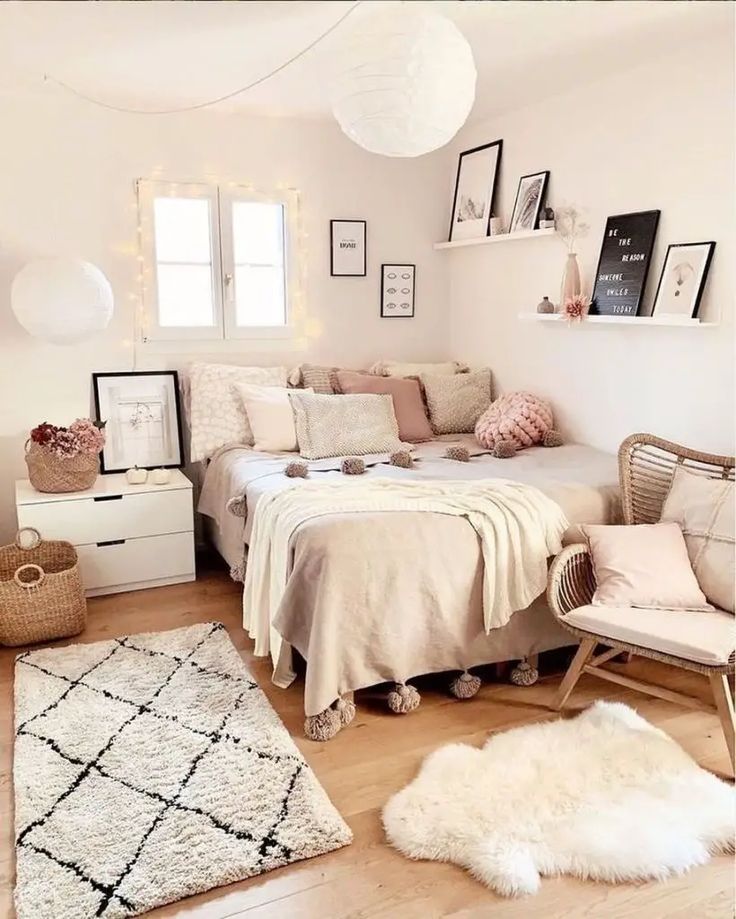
x: 475, y: 191
x: 347, y: 248
x: 529, y: 200
x: 397, y: 291
x: 683, y: 278
x: 143, y: 419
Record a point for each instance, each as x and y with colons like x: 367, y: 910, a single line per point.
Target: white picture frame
x: 348, y: 248
x: 142, y: 418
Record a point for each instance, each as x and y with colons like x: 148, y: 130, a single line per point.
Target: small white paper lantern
x: 406, y: 84
x: 61, y: 300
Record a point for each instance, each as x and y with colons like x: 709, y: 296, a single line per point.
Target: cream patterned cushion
x: 217, y: 415
x: 319, y: 379
x: 457, y: 401
x: 351, y: 425
x: 704, y: 509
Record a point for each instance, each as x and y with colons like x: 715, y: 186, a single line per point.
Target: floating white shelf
x: 501, y: 238
x: 619, y: 320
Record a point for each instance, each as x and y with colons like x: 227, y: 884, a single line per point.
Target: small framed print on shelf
x: 529, y: 199
x: 397, y: 291
x: 143, y: 419
x: 683, y: 277
x: 347, y: 248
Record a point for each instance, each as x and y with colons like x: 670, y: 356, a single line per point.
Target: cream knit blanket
x: 518, y: 526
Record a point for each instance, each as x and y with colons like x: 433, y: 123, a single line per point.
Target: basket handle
x: 36, y: 542
x: 28, y: 585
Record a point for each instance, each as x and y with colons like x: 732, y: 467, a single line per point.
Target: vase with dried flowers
x: 575, y: 309
x: 65, y: 459
x: 570, y: 228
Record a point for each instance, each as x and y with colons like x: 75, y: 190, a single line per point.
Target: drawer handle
x: 108, y: 498
x: 111, y: 542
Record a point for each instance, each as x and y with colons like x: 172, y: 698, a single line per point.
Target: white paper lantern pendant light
x: 61, y: 300
x: 406, y: 82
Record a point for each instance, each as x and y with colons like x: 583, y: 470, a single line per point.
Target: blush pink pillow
x: 519, y: 417
x: 409, y: 409
x: 645, y: 566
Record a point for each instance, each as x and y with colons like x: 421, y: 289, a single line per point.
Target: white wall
x: 660, y: 136
x: 66, y: 188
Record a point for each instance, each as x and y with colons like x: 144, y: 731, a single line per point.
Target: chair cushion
x: 705, y: 638
x: 704, y: 509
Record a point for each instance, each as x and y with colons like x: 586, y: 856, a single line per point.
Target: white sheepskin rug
x: 604, y: 796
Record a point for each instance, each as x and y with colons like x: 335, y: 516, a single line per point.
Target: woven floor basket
x: 41, y: 593
x: 57, y: 474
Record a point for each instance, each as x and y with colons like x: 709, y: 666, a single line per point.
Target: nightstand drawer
x: 132, y: 562
x: 98, y: 519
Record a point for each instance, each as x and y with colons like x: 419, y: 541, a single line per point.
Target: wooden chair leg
x: 724, y: 703
x: 587, y: 646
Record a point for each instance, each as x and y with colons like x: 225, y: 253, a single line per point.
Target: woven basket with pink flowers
x: 65, y: 459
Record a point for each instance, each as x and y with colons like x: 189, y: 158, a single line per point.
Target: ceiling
x: 168, y: 54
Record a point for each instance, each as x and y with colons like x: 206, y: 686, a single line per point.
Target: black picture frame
x: 386, y: 312
x: 540, y: 200
x: 600, y: 305
x: 711, y: 246
x: 494, y: 180
x: 348, y: 274
x: 97, y: 377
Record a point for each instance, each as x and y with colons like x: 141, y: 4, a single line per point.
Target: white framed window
x: 217, y: 261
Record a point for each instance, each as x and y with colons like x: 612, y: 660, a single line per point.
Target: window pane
x: 182, y: 228
x: 185, y: 295
x: 259, y: 296
x: 258, y: 233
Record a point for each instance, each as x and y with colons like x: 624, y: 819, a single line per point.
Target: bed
x: 413, y: 606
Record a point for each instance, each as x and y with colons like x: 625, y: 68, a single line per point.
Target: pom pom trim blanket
x: 518, y: 527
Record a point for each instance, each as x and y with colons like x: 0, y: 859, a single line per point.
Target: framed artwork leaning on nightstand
x: 143, y: 417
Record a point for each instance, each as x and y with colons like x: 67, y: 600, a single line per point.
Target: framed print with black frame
x: 475, y: 191
x: 529, y: 200
x: 397, y: 291
x: 348, y: 248
x: 143, y: 419
x: 681, y: 284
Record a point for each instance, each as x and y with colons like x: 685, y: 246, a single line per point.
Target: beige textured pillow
x: 645, y: 565
x: 704, y: 509
x: 318, y: 379
x: 456, y: 402
x: 344, y: 425
x: 407, y: 398
x: 216, y: 413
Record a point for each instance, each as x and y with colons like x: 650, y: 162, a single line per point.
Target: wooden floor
x: 376, y: 756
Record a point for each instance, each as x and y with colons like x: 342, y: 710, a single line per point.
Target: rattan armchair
x: 646, y: 467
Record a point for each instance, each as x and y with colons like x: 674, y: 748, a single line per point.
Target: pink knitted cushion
x: 519, y: 417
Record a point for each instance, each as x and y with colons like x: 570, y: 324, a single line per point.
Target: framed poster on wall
x: 683, y: 277
x: 397, y: 291
x: 623, y: 266
x: 347, y: 248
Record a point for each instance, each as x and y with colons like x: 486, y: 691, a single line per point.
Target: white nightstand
x: 127, y: 536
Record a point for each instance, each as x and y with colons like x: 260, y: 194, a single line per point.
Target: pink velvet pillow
x: 407, y: 397
x: 645, y: 566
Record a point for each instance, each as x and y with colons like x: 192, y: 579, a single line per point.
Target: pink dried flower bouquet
x: 574, y: 309
x: 82, y: 437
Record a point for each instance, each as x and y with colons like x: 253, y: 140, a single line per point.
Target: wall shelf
x: 501, y: 238
x: 619, y: 320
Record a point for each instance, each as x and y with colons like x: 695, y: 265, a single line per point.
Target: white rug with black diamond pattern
x: 149, y: 768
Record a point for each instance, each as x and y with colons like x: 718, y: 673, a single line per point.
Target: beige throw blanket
x: 517, y: 525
